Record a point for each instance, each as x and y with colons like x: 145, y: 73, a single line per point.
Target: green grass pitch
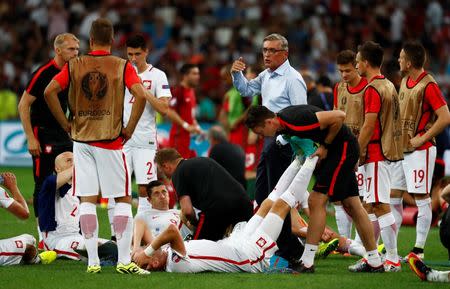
x: 331, y: 273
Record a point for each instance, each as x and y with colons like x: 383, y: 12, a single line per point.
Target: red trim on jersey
x: 37, y: 160
x: 60, y: 252
x: 11, y: 254
x: 426, y: 175
x: 375, y: 183
x: 299, y: 127
x: 360, y: 86
x: 337, y: 170
x: 99, y: 53
x: 126, y: 174
x: 410, y: 83
x: 239, y: 263
x: 116, y: 144
x: 199, y: 226
x: 38, y: 73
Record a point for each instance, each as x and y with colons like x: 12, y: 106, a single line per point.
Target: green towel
x: 301, y: 146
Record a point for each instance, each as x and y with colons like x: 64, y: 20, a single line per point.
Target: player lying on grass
x: 248, y: 249
x: 331, y: 241
x: 21, y: 249
x: 58, y: 214
x: 426, y: 273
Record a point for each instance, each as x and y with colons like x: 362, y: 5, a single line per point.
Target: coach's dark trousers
x: 274, y: 160
x: 444, y: 231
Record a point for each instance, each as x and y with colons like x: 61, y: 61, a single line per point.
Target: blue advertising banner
x: 14, y: 150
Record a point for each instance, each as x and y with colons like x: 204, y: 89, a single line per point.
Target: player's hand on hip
x: 34, y: 147
x: 126, y: 135
x: 416, y: 141
x: 238, y: 65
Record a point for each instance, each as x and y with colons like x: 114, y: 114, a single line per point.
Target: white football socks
x: 424, y: 218
x: 389, y: 236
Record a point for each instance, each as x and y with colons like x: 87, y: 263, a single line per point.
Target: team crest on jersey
x: 261, y: 242
x: 175, y: 257
x: 94, y: 85
x: 147, y: 84
x: 344, y: 100
x: 48, y: 149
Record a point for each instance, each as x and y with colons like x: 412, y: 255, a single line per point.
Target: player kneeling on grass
x: 248, y: 249
x: 58, y: 214
x: 21, y: 249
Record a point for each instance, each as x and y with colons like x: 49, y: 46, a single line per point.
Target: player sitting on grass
x: 150, y: 223
x: 21, y: 249
x: 248, y: 249
x: 58, y: 214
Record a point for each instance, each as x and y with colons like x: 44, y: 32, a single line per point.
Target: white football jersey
x: 5, y: 199
x: 237, y: 253
x: 66, y: 213
x: 157, y: 221
x: 155, y: 81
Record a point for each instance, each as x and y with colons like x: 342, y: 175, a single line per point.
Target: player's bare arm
x: 139, y: 92
x: 170, y: 236
x: 365, y: 134
x: 442, y: 121
x: 51, y: 97
x: 445, y: 194
x: 188, y: 210
x: 19, y: 207
x: 161, y: 104
x: 175, y: 117
x: 332, y: 120
x: 24, y: 112
x: 141, y: 235
x: 64, y: 177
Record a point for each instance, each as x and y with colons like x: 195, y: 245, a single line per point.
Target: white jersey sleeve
x: 5, y: 199
x: 155, y: 81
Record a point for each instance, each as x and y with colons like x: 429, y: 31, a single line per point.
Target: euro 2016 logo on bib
x: 261, y: 242
x: 94, y: 85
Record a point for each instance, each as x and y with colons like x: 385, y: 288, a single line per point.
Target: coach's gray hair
x: 276, y: 36
x: 217, y: 133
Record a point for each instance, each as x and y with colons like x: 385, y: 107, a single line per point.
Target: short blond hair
x: 60, y: 38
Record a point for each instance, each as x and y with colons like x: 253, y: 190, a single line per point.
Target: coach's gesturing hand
x: 238, y: 65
